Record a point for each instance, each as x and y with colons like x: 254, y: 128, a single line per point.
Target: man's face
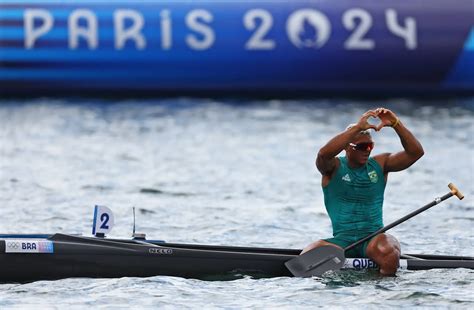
x: 358, y: 151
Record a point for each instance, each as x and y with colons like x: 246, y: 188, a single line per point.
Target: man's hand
x: 387, y: 118
x: 363, y: 123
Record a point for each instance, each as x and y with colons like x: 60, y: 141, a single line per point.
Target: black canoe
x: 25, y: 258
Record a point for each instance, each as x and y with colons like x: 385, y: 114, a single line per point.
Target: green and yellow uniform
x: 354, y: 199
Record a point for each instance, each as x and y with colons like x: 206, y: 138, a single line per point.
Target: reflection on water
x: 349, y: 278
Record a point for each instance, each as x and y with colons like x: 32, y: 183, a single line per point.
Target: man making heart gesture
x: 354, y: 185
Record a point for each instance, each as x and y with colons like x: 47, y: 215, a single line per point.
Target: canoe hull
x: 64, y: 256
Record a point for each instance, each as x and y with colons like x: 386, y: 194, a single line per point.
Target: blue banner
x: 261, y: 45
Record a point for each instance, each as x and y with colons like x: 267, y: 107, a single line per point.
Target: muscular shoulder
x: 327, y: 177
x: 381, y: 159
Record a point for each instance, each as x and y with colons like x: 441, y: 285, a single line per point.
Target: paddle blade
x: 317, y: 261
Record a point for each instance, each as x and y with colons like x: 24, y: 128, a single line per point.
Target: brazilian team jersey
x: 354, y: 199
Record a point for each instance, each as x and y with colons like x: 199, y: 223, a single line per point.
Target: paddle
x: 325, y: 258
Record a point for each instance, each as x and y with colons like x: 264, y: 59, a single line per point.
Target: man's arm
x: 412, y: 149
x: 326, y: 160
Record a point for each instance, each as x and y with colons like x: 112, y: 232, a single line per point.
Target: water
x: 234, y: 173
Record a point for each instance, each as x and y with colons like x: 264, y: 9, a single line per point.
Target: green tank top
x: 354, y: 199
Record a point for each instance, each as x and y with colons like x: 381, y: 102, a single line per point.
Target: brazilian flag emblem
x: 373, y: 176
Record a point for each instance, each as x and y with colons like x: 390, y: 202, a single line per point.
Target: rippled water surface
x: 234, y: 173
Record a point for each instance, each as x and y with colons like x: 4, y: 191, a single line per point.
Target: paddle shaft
x: 403, y: 219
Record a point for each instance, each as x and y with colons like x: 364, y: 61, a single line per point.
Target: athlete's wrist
x: 358, y: 127
x: 396, y: 122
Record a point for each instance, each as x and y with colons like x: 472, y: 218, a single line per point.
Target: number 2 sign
x: 103, y: 220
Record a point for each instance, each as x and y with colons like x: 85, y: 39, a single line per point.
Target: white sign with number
x: 103, y: 220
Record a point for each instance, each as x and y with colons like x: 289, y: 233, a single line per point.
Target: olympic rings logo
x: 13, y: 245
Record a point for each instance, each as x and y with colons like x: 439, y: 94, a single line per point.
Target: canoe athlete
x: 354, y: 185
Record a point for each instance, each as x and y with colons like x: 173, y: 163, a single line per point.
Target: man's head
x: 358, y: 150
